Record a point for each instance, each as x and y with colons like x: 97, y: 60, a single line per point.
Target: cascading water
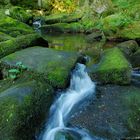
x: 136, y: 76
x: 37, y: 24
x: 81, y: 88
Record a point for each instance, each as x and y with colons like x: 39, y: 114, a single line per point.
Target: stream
x: 81, y: 89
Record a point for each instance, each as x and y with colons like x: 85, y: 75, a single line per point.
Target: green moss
x: 131, y: 31
x: 20, y: 14
x: 18, y: 43
x: 133, y: 104
x: 4, y: 37
x: 113, y: 68
x: 115, y: 22
x: 14, y: 27
x: 56, y: 78
x: 54, y: 66
x: 22, y: 114
x: 62, y: 18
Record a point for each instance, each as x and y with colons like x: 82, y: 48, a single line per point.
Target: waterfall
x: 37, y: 24
x: 81, y: 88
x: 136, y: 76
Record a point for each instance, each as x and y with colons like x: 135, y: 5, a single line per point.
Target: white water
x: 37, y: 24
x: 81, y: 88
x: 136, y: 73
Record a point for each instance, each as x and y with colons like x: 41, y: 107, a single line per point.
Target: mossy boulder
x: 112, y: 23
x: 95, y: 36
x: 12, y: 45
x: 14, y: 27
x: 135, y: 59
x: 54, y: 66
x: 131, y: 51
x: 24, y: 107
x: 128, y: 47
x: 74, y: 27
x: 112, y: 68
x: 62, y: 18
x: 4, y: 37
x: 132, y: 31
x: 20, y: 14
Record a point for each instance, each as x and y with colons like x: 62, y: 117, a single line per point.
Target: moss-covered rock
x: 132, y: 31
x: 14, y: 27
x: 24, y: 107
x: 20, y: 14
x: 4, y: 37
x: 74, y: 27
x: 62, y: 18
x: 112, y: 68
x: 128, y: 47
x: 54, y: 66
x: 135, y: 59
x: 12, y: 45
x: 112, y: 23
x: 131, y: 51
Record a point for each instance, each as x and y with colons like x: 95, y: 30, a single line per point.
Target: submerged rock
x: 24, y: 106
x: 12, y: 45
x: 112, y: 68
x: 54, y: 66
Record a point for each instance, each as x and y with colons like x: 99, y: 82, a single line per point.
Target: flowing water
x: 81, y: 89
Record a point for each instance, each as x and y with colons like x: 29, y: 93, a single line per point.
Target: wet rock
x: 12, y: 45
x: 24, y: 106
x: 63, y: 135
x: 112, y: 115
x: 112, y: 68
x: 54, y: 66
x: 135, y: 59
x: 131, y: 51
x: 95, y: 36
x: 62, y: 18
x: 128, y: 47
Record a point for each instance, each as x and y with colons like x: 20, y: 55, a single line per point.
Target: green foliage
x: 20, y: 14
x: 15, y: 72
